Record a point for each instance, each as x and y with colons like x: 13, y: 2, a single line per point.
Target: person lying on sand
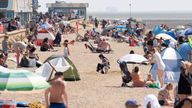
x: 56, y: 95
x: 164, y: 96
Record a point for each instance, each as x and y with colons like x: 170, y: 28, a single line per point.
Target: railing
x: 17, y: 34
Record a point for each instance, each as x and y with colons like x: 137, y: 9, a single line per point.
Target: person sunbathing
x: 136, y: 78
x: 164, y: 96
x: 102, y: 46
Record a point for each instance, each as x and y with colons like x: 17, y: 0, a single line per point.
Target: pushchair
x: 126, y: 75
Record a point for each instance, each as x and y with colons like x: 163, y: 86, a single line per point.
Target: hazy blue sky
x: 137, y: 5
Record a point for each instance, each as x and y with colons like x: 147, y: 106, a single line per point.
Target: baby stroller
x: 126, y: 75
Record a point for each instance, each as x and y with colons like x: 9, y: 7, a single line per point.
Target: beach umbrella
x: 165, y: 37
x: 133, y: 59
x: 21, y: 80
x: 188, y: 31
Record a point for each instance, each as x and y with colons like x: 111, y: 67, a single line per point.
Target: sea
x: 151, y: 19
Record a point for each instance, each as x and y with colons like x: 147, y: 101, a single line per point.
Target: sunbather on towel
x: 136, y: 78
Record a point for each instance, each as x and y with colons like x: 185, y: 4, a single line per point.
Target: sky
x: 123, y: 5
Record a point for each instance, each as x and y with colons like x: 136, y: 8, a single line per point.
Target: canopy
x: 165, y: 37
x: 184, y: 50
x: 133, y: 58
x: 57, y: 63
x: 171, y: 59
x: 20, y: 80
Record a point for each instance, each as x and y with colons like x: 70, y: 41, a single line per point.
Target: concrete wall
x: 18, y: 34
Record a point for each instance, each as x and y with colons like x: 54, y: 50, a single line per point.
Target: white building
x: 13, y: 8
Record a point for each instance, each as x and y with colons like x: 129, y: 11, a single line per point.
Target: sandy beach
x: 94, y: 90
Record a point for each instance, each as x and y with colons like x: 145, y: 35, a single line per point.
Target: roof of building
x: 65, y: 4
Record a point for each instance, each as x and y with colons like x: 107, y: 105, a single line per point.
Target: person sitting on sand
x: 46, y: 46
x: 150, y: 79
x: 33, y: 57
x: 3, y: 60
x: 56, y: 95
x: 104, y: 63
x: 102, y: 46
x: 57, y: 40
x: 164, y: 96
x: 136, y: 78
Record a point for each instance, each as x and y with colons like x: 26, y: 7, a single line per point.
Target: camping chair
x: 126, y: 75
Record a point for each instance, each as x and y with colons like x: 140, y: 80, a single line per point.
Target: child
x: 150, y: 79
x: 66, y: 49
x: 164, y: 96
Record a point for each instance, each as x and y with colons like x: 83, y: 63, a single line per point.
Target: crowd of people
x: 26, y: 56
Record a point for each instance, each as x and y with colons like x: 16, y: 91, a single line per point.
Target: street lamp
x: 130, y: 9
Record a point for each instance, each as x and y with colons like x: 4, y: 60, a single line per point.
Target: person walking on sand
x: 56, y: 96
x: 19, y: 47
x: 160, y: 65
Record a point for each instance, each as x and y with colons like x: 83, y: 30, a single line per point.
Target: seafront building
x: 13, y: 8
x: 72, y: 10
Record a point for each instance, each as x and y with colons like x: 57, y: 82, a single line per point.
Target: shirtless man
x: 103, y: 45
x: 55, y: 96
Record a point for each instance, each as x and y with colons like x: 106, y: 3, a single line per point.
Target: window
x: 3, y: 3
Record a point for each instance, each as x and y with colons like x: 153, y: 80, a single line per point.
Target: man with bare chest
x: 56, y: 96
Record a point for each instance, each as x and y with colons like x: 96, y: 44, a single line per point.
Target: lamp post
x: 130, y: 9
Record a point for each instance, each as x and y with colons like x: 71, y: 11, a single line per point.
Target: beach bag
x: 24, y: 62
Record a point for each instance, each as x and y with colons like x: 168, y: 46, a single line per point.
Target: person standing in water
x: 56, y: 96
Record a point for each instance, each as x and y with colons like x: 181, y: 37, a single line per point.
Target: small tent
x: 172, y: 60
x: 185, y: 50
x: 57, y: 63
